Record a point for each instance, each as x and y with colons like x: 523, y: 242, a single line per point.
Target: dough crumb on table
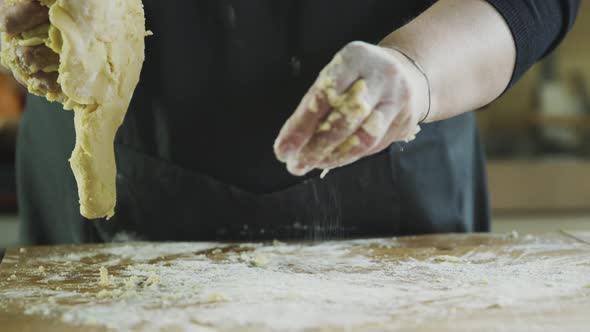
x: 257, y: 260
x: 105, y: 278
x: 132, y: 282
x: 260, y: 260
x: 447, y: 258
x: 215, y: 298
x: 152, y: 281
x: 277, y: 243
x: 529, y: 237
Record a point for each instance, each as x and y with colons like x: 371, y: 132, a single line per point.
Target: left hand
x: 367, y: 98
x: 37, y: 64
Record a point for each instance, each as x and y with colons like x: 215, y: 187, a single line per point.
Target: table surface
x: 429, y: 283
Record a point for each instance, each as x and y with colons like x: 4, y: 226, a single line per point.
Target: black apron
x: 195, y: 158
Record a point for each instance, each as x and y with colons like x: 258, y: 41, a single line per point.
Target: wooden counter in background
x: 539, y: 186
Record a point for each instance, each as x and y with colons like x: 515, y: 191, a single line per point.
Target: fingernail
x: 296, y: 168
x: 285, y: 151
x: 282, y: 148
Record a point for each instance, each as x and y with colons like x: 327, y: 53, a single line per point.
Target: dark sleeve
x: 537, y: 27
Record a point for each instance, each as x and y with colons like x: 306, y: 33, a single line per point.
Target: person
x: 220, y: 82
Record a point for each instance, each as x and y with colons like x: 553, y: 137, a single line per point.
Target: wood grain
x: 436, y: 283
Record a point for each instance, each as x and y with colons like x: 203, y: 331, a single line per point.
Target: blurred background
x: 537, y: 139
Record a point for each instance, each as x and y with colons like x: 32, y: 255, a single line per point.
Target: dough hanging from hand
x: 100, y: 44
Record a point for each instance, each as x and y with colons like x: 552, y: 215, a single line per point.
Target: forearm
x: 369, y: 97
x: 466, y: 50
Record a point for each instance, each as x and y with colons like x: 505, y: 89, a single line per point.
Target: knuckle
x: 357, y: 46
x: 390, y: 67
x: 402, y: 90
x: 356, y: 49
x: 366, y: 140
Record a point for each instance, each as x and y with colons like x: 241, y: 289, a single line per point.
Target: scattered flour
x: 104, y: 293
x: 285, y: 287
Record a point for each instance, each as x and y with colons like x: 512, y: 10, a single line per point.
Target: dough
x: 101, y: 49
x: 104, y: 279
x: 152, y: 281
x: 258, y: 260
x: 447, y: 259
x: 132, y: 282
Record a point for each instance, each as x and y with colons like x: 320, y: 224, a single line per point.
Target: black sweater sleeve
x: 537, y: 27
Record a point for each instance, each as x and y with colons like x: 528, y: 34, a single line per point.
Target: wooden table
x: 432, y: 283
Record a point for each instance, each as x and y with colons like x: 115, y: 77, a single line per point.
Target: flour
x: 103, y: 294
x: 344, y: 285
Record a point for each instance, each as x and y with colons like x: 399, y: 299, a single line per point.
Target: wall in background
x: 510, y: 113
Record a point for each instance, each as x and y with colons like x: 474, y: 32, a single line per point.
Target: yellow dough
x: 101, y: 49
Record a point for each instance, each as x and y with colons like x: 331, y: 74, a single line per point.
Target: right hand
x: 22, y: 16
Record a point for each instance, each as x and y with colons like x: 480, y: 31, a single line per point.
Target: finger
x: 22, y: 16
x: 366, y: 138
x: 301, y: 125
x: 37, y: 58
x: 352, y: 149
x: 45, y: 82
x: 314, y: 107
x: 349, y: 113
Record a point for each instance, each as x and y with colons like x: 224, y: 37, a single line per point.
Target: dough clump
x: 101, y: 45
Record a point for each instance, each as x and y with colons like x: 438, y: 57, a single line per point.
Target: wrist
x: 420, y: 99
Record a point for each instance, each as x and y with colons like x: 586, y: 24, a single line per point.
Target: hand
x: 21, y: 16
x: 37, y: 62
x: 367, y: 98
